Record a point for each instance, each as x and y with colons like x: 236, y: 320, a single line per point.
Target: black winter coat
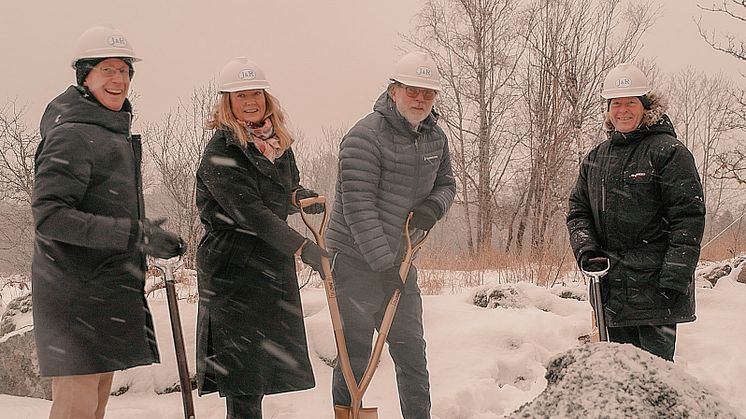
x: 639, y: 199
x: 250, y: 333
x: 90, y: 312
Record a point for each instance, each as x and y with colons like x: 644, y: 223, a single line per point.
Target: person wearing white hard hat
x: 638, y: 201
x: 250, y: 335
x: 392, y: 162
x: 90, y: 314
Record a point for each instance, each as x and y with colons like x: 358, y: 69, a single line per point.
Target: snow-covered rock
x: 610, y: 380
x: 19, y: 368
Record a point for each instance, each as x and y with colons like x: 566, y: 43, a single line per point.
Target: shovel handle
x: 318, y: 233
x: 388, y: 316
x: 343, y: 356
x: 168, y: 266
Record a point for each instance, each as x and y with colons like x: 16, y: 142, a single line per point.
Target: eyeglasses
x: 413, y: 92
x: 111, y: 71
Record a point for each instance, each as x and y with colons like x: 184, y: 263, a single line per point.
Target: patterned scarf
x: 264, y: 139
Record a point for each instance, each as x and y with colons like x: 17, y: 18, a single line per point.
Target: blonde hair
x: 222, y: 118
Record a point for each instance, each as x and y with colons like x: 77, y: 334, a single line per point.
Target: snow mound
x: 610, y: 380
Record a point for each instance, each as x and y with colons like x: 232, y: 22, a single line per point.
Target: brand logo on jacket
x: 638, y: 176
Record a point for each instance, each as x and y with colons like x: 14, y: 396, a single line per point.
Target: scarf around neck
x: 264, y: 139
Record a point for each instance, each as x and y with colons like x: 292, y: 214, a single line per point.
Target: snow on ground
x: 483, y: 363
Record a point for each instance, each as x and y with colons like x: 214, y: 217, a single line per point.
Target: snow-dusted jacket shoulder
x: 386, y: 168
x: 90, y: 313
x: 638, y: 197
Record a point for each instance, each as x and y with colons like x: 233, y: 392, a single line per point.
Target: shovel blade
x: 345, y: 412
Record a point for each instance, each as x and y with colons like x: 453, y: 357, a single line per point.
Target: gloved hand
x: 392, y: 280
x: 303, y: 193
x: 157, y: 242
x: 670, y: 294
x: 587, y: 265
x: 311, y: 256
x: 425, y: 215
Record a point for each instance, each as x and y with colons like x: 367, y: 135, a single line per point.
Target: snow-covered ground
x: 484, y: 363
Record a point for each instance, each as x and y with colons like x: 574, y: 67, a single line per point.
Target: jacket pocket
x: 642, y: 282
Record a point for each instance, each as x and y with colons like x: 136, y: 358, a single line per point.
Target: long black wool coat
x: 90, y: 312
x: 250, y: 334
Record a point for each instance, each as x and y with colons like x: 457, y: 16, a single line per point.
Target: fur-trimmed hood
x: 658, y: 108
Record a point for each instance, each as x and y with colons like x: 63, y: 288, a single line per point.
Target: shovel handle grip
x: 312, y: 200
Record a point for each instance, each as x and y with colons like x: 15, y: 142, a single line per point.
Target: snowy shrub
x: 16, y: 308
x: 501, y: 295
x: 575, y: 293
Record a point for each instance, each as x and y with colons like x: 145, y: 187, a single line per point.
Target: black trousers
x: 244, y: 407
x: 658, y: 340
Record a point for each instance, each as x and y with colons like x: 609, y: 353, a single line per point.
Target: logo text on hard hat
x: 624, y: 82
x: 424, y: 72
x: 117, y: 41
x: 247, y: 74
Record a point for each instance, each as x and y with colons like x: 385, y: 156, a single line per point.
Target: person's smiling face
x: 249, y: 106
x: 109, y: 83
x: 626, y: 113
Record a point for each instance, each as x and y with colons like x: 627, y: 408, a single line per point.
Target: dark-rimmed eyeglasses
x: 111, y: 71
x: 413, y: 92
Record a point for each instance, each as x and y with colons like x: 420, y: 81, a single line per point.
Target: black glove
x: 157, y: 242
x: 303, y: 193
x: 592, y: 266
x: 311, y: 256
x: 391, y: 280
x: 425, y: 215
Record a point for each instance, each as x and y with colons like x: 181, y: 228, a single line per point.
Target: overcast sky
x: 327, y: 60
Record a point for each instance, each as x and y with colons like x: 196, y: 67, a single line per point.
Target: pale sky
x: 327, y: 60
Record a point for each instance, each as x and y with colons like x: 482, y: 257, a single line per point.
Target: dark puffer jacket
x: 250, y: 333
x: 639, y: 199
x: 386, y: 168
x: 90, y: 313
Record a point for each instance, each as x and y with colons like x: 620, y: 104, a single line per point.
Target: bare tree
x: 175, y: 145
x: 731, y: 164
x: 722, y: 41
x: 473, y: 44
x: 571, y: 45
x: 18, y: 143
x: 317, y: 160
x: 702, y: 114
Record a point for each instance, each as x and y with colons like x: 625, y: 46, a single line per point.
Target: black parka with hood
x: 639, y: 199
x: 90, y: 312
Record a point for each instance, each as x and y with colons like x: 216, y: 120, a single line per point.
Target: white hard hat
x: 419, y: 70
x: 625, y: 80
x: 242, y: 74
x: 103, y: 42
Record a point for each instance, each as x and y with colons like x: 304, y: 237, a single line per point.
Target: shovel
x: 595, y: 294
x: 168, y: 266
x: 355, y: 410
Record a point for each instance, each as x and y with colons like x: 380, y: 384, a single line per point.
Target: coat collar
x: 256, y: 159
